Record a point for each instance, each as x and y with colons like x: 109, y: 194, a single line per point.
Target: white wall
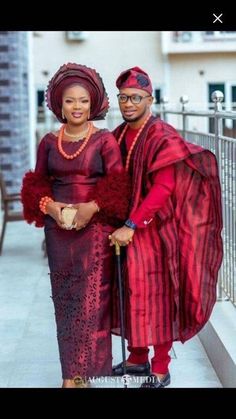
x: 185, y: 77
x: 190, y: 75
x: 109, y: 52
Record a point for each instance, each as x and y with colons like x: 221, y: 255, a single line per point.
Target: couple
x: 144, y: 187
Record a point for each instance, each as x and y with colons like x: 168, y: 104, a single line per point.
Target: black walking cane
x: 121, y: 306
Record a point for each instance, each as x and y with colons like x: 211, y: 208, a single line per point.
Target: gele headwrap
x: 72, y: 73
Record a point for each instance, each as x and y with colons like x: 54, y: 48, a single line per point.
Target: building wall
x: 109, y: 52
x: 190, y: 74
x: 14, y: 108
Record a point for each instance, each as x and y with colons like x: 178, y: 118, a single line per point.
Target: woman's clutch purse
x: 68, y: 215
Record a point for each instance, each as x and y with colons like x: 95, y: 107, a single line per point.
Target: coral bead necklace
x: 134, y: 140
x: 79, y: 151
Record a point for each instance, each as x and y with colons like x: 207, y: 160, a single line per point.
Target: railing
x: 225, y: 150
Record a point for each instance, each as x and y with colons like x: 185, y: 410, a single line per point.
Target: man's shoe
x: 137, y: 369
x: 154, y: 382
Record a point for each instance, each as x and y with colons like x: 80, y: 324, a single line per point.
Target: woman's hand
x: 122, y: 236
x: 85, y: 211
x: 54, y: 210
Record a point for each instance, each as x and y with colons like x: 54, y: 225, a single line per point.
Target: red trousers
x: 160, y: 361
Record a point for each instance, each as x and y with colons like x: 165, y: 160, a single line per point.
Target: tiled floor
x: 28, y: 346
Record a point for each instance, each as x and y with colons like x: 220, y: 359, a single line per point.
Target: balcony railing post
x: 218, y: 97
x: 184, y: 100
x: 164, y: 100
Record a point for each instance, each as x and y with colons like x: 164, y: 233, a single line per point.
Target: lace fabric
x: 81, y: 299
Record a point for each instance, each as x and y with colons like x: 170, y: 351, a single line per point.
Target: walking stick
x: 121, y: 306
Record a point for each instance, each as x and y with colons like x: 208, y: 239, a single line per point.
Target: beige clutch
x: 68, y: 215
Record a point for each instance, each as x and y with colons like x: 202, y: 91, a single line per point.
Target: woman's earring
x: 62, y: 114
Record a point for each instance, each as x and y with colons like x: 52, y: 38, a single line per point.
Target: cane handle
x: 117, y: 249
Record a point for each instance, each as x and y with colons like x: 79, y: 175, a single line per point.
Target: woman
x: 79, y: 166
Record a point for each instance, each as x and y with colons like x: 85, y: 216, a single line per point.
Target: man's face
x: 134, y: 103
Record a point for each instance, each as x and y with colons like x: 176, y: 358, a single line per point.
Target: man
x: 173, y: 233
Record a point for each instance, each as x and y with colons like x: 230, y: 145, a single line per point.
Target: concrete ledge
x: 219, y: 340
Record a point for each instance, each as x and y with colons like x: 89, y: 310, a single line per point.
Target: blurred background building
x: 15, y: 136
x: 179, y: 63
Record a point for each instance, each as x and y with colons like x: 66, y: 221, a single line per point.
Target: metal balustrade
x: 224, y: 148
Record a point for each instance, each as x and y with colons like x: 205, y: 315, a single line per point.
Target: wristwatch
x: 129, y: 223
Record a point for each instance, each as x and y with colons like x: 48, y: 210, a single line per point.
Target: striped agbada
x: 172, y: 266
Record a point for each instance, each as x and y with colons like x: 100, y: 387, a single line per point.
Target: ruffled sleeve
x: 114, y: 188
x: 35, y: 185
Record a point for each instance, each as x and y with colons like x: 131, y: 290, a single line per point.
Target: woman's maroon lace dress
x: 81, y: 262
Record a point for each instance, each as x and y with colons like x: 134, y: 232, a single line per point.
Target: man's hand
x: 123, y: 236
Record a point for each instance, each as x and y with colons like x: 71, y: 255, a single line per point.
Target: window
x: 40, y: 106
x: 157, y: 96
x: 157, y: 101
x: 230, y: 124
x: 219, y: 35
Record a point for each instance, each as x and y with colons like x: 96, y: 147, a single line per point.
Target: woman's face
x: 76, y: 104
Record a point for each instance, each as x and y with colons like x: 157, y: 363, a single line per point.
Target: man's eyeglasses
x: 135, y: 99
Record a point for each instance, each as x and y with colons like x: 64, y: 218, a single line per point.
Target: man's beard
x: 135, y: 119
x: 131, y: 119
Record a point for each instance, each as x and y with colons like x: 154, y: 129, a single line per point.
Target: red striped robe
x: 172, y: 264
